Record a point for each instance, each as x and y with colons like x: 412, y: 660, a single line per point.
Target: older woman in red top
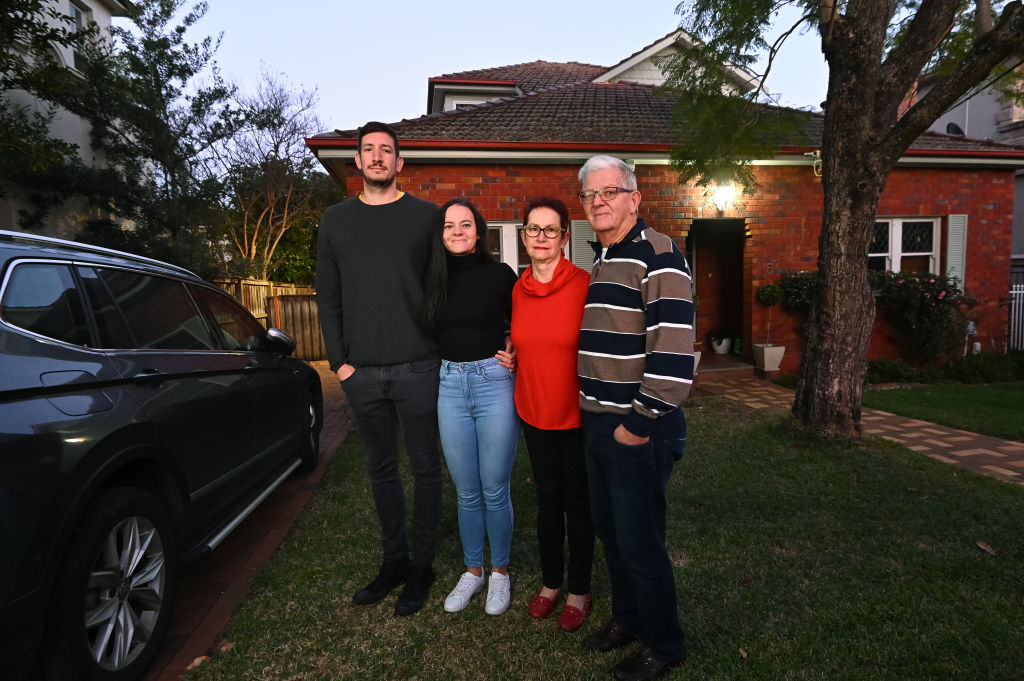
x: 547, y: 306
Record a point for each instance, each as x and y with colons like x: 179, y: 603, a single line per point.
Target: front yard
x: 796, y: 558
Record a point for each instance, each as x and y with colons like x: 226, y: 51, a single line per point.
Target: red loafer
x: 572, y: 617
x: 541, y: 606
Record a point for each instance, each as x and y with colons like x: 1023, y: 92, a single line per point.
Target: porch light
x: 722, y: 196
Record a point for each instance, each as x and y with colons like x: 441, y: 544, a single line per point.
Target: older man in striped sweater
x: 635, y: 370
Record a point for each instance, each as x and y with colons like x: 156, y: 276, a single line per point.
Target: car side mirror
x: 280, y: 342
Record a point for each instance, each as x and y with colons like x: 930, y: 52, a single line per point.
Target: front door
x: 714, y: 249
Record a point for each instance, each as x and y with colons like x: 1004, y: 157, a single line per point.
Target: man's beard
x: 379, y: 184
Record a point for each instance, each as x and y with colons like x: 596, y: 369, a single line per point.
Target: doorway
x: 714, y: 249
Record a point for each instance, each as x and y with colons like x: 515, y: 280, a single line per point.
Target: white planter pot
x: 768, y: 357
x: 721, y: 347
x: 696, y: 361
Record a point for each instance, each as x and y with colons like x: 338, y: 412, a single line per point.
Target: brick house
x: 501, y: 136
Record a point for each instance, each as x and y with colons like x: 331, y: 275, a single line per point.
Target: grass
x: 995, y: 409
x: 796, y: 558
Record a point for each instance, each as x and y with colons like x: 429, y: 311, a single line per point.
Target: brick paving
x: 1002, y: 459
x: 211, y: 588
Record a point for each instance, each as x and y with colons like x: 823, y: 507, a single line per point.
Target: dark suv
x: 143, y: 414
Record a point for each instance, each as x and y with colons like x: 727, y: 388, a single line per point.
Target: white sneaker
x: 499, y: 594
x: 469, y: 585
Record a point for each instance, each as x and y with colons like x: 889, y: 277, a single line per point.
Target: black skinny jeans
x: 382, y: 398
x: 563, y: 506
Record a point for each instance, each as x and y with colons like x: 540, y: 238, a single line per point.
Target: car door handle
x: 149, y: 376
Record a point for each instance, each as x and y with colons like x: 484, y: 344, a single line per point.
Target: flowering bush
x: 923, y: 310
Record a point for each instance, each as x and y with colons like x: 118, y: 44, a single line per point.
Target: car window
x: 111, y: 324
x: 238, y: 329
x: 42, y: 298
x: 158, y: 311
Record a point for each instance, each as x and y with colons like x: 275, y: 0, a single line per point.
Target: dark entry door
x: 714, y: 248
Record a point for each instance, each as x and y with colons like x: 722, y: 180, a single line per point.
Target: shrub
x: 890, y: 371
x: 769, y: 295
x: 987, y: 367
x: 922, y: 309
x: 798, y: 288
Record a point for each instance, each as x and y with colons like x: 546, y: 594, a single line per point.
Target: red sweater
x: 545, y: 333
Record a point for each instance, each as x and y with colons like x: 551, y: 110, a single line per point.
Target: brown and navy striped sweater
x: 636, y: 339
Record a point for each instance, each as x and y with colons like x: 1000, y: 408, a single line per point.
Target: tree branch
x: 988, y: 51
x: 904, y: 64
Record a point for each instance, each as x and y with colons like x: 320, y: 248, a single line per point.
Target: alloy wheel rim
x: 125, y: 593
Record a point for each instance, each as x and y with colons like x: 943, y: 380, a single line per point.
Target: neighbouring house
x: 503, y: 135
x: 986, y: 113
x: 65, y: 220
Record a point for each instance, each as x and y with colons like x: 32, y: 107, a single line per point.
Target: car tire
x: 309, y: 450
x: 114, y: 591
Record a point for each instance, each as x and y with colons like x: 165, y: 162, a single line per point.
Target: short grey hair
x: 603, y: 162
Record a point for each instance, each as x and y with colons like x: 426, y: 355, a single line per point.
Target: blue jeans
x: 382, y: 397
x: 479, y: 432
x: 627, y: 502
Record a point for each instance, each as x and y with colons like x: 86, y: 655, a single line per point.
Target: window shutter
x: 582, y: 253
x: 956, y: 247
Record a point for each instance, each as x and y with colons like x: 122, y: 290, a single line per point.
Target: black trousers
x: 563, y: 506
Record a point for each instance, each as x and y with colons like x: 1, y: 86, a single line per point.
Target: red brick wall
x: 783, y: 218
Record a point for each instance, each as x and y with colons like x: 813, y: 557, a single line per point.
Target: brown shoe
x: 608, y: 637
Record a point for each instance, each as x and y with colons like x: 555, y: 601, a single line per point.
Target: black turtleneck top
x: 478, y: 306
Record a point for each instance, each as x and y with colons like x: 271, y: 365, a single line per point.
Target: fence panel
x: 1017, y: 317
x: 253, y: 294
x: 297, y: 316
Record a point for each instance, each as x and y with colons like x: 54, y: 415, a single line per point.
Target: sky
x: 375, y: 67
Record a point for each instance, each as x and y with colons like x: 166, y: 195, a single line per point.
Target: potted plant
x: 721, y: 341
x: 768, y: 357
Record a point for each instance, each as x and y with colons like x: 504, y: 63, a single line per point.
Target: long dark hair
x: 435, y: 280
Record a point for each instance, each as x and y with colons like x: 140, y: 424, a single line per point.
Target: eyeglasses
x: 606, y: 193
x: 535, y: 230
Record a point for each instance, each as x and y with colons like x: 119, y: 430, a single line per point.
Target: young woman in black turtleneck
x: 470, y: 305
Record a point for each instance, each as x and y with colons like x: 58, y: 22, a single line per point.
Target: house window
x: 79, y: 19
x: 904, y: 245
x: 505, y: 245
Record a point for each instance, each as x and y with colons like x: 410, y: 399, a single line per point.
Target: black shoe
x: 641, y: 666
x: 391, y: 574
x: 417, y: 588
x: 608, y: 637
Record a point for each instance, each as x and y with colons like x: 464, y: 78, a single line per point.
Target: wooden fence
x: 297, y: 316
x: 253, y: 293
x: 288, y: 307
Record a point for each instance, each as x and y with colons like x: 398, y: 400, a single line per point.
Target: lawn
x: 796, y: 558
x: 995, y: 409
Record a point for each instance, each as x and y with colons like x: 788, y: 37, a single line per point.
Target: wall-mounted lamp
x: 722, y: 196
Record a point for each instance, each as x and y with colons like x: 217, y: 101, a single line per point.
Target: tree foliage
x: 272, y: 183
x: 158, y: 117
x: 35, y: 86
x: 876, y: 50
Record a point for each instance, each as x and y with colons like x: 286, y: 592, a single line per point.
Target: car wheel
x: 114, y: 591
x: 309, y: 451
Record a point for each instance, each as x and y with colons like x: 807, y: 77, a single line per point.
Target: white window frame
x: 508, y: 242
x: 895, y: 254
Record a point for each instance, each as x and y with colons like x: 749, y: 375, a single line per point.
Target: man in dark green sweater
x: 373, y: 252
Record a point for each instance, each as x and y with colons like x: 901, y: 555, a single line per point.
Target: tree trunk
x: 828, y: 395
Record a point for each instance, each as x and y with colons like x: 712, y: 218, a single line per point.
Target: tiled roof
x: 599, y: 113
x: 535, y: 75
